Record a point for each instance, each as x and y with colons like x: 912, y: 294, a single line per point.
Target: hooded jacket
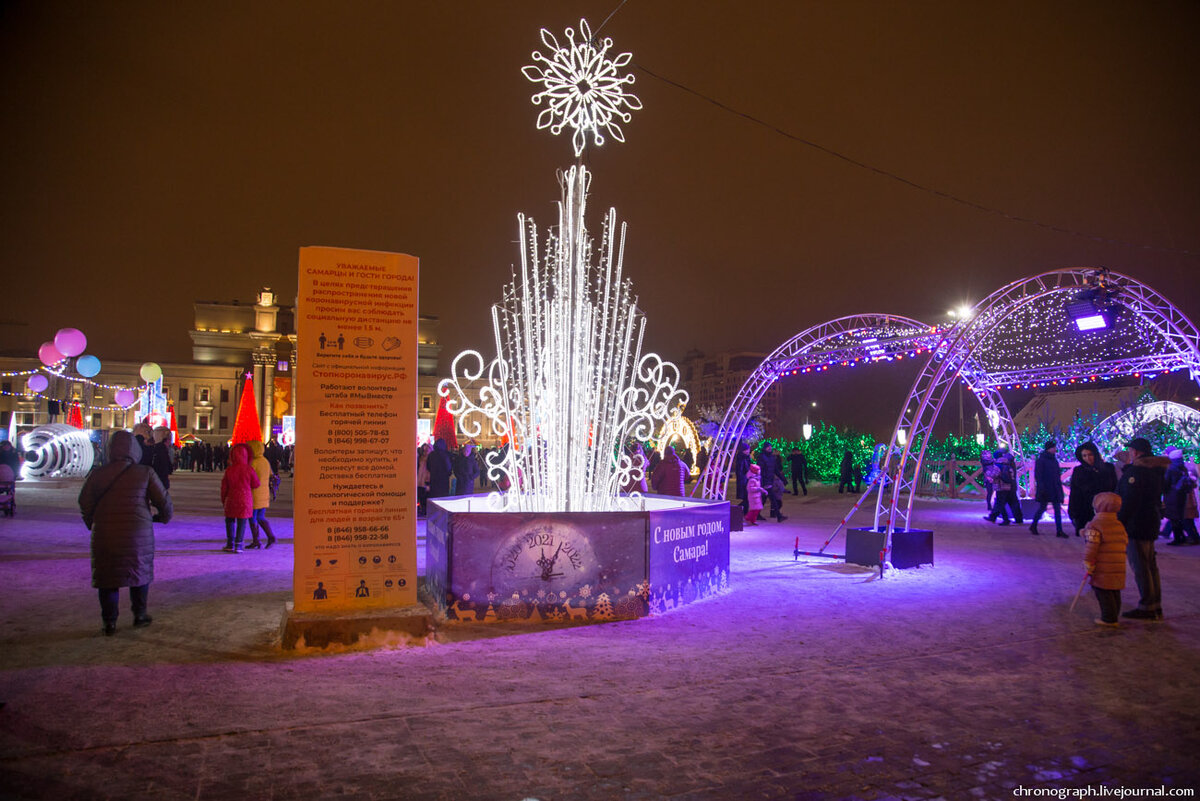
x: 262, y: 469
x: 113, y: 502
x: 1087, y: 480
x: 238, y: 483
x: 754, y: 488
x: 1048, y: 478
x: 1141, y: 488
x: 1104, y: 544
x: 668, y: 476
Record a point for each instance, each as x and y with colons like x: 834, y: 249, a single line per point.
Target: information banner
x: 356, y: 410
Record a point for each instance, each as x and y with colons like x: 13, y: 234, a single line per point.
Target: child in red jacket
x: 237, y: 494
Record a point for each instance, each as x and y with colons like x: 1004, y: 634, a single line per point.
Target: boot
x: 1061, y: 533
x: 1033, y: 528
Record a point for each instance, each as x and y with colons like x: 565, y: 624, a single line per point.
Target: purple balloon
x: 49, y: 354
x: 37, y: 383
x: 125, y: 397
x: 70, y: 341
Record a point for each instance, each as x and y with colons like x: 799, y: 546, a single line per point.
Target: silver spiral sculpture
x: 57, y: 451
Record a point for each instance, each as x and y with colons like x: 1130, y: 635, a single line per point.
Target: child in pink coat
x: 237, y: 494
x: 754, y: 495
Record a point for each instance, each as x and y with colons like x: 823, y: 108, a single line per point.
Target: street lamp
x: 807, y: 431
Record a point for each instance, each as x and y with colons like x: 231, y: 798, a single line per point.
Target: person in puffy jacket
x: 1105, y: 541
x: 668, y: 476
x: 754, y: 494
x: 261, y: 495
x: 237, y: 495
x: 115, y: 503
x: 1141, y: 491
x: 466, y: 469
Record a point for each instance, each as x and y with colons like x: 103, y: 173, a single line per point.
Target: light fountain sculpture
x: 569, y: 388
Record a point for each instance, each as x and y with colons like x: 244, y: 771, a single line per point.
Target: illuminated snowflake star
x: 583, y: 88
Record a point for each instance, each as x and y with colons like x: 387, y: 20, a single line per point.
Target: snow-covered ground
x: 810, y: 678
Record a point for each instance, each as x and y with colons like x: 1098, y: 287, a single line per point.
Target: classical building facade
x: 230, y: 340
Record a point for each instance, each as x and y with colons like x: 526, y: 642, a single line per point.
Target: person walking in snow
x: 237, y: 496
x: 1049, y: 487
x: 261, y: 495
x: 115, y: 502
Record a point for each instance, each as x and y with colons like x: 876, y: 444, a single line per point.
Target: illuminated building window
x: 183, y: 421
x: 96, y: 422
x: 224, y: 395
x: 426, y: 402
x: 202, y: 422
x: 224, y: 422
x: 202, y: 395
x: 183, y: 393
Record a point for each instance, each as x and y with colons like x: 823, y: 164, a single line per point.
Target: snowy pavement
x: 810, y: 679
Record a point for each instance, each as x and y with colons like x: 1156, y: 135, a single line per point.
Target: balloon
x: 37, y: 383
x: 87, y: 366
x: 70, y: 341
x: 125, y: 397
x: 151, y: 372
x: 49, y: 354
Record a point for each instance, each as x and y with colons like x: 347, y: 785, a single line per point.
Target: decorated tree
x: 246, y: 427
x: 444, y: 426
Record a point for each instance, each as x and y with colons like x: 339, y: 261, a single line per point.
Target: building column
x: 268, y: 400
x: 258, y: 385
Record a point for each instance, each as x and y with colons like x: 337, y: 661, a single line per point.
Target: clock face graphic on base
x: 551, y: 556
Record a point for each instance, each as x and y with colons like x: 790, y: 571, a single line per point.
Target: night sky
x: 156, y: 154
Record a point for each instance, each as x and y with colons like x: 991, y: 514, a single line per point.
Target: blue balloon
x: 87, y: 366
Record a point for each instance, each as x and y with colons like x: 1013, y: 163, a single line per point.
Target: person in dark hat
x: 1141, y: 491
x: 1048, y: 478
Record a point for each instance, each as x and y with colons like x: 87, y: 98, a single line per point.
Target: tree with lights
x: 246, y: 427
x: 444, y: 426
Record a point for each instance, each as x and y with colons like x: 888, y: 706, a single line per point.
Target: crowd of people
x: 1120, y: 508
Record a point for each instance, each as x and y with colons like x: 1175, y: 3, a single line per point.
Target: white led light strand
x: 583, y: 88
x: 569, y: 385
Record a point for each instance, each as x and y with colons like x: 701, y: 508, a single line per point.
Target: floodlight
x: 1094, y: 307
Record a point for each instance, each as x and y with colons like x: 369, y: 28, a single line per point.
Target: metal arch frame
x: 801, y: 352
x: 952, y: 359
x: 1120, y: 425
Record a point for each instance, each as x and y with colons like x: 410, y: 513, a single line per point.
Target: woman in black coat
x: 1089, y: 479
x: 440, y: 468
x: 1049, y: 488
x: 114, y: 503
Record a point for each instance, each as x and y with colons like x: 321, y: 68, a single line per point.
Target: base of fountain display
x: 484, y: 566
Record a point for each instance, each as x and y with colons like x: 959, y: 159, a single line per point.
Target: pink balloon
x: 49, y: 354
x: 125, y: 397
x: 70, y: 341
x: 37, y: 382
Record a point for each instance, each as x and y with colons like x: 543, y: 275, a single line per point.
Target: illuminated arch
x: 959, y: 355
x: 847, y: 340
x: 1119, y: 427
x: 679, y: 427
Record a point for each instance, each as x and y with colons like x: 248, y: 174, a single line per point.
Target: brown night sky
x: 155, y: 154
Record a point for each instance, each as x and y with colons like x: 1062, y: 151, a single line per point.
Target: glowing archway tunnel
x: 1023, y: 334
